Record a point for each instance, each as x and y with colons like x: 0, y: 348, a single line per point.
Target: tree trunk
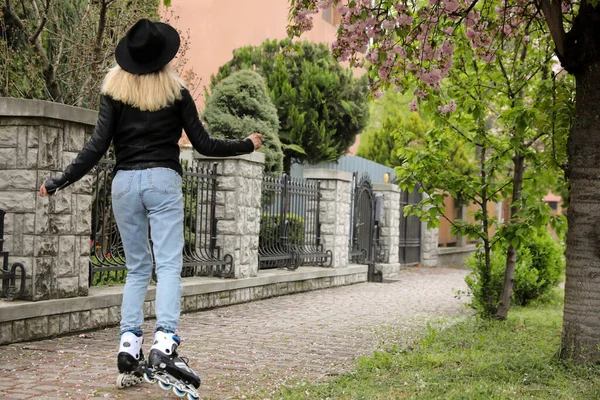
x: 581, y: 321
x: 511, y: 254
x: 486, y: 272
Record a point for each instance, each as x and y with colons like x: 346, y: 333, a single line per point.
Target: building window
x: 331, y: 15
x: 553, y: 205
x: 328, y: 14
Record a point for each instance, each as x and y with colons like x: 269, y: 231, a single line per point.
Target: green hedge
x: 270, y: 228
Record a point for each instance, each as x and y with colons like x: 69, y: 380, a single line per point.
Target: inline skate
x: 170, y: 370
x: 130, y: 360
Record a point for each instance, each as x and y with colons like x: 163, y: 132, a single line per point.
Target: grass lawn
x: 471, y: 359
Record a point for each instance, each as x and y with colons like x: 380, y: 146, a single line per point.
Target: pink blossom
x: 400, y: 51
x: 373, y: 55
x: 323, y: 4
x: 470, y: 33
x: 379, y: 94
x: 450, y: 107
x: 387, y: 24
x: 451, y: 5
x: 404, y: 19
x: 303, y: 13
x: 489, y: 58
x: 384, y: 73
x: 447, y: 47
x: 413, y: 105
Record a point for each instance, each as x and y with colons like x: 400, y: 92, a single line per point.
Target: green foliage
x: 74, y: 47
x: 540, y: 265
x: 240, y: 106
x: 321, y: 106
x: 467, y: 359
x: 392, y: 127
x: 270, y: 230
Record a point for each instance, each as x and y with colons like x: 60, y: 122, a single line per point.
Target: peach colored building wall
x: 217, y: 27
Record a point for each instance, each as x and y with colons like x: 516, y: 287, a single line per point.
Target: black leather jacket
x: 145, y: 139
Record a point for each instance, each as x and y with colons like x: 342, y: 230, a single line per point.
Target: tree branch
x: 553, y: 15
x: 41, y: 21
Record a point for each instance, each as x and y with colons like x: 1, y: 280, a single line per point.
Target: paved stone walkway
x: 244, y: 349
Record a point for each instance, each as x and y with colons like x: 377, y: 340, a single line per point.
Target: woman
x: 143, y: 107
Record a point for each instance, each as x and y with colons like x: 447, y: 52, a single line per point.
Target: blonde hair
x: 148, y: 92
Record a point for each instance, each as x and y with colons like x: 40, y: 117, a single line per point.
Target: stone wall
x: 23, y: 321
x: 239, y: 186
x: 50, y: 236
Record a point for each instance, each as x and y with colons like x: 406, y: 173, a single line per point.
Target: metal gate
x: 410, y: 230
x: 363, y: 246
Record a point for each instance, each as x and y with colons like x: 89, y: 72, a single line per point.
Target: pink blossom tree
x: 404, y: 43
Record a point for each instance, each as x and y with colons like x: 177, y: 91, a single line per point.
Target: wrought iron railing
x: 290, y: 229
x: 10, y: 275
x: 201, y: 255
x: 410, y: 230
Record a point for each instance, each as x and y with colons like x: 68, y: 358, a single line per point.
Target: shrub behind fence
x: 290, y: 230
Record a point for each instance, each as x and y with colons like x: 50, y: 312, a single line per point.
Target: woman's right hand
x: 53, y: 185
x: 256, y: 139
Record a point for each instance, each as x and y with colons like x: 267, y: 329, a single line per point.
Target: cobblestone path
x: 242, y: 349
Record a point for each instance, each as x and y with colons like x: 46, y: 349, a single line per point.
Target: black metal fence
x: 410, y: 230
x: 201, y: 255
x: 290, y: 230
x: 10, y: 275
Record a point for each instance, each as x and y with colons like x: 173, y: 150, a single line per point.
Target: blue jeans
x: 141, y: 198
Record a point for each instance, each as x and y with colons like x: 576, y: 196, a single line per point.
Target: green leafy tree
x: 509, y: 140
x: 240, y: 106
x: 321, y: 106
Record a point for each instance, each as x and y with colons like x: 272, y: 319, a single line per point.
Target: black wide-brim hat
x: 147, y: 47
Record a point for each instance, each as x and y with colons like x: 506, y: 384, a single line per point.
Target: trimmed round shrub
x: 240, y: 106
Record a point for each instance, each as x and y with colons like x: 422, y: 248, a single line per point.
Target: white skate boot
x: 130, y: 360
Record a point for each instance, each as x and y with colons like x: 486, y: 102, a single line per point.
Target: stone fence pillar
x: 50, y: 236
x: 389, y: 226
x: 429, y: 246
x: 239, y: 186
x: 335, y: 211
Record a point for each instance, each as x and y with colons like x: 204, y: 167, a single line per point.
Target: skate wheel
x: 164, y: 386
x: 178, y: 392
x: 119, y: 382
x: 192, y: 397
x: 148, y: 379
